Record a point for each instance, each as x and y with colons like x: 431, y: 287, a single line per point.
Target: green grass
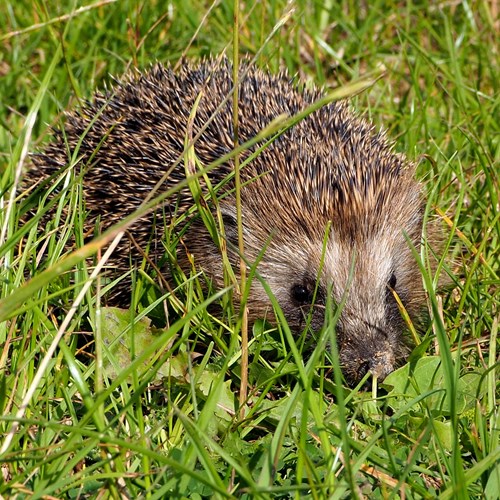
x: 160, y: 417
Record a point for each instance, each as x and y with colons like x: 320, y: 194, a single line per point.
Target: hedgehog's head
x: 362, y: 277
x: 337, y: 229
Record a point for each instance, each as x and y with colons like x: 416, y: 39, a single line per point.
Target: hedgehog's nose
x: 382, y: 364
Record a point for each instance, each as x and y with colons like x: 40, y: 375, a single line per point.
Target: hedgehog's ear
x: 230, y: 225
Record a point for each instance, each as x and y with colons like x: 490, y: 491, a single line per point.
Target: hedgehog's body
x: 330, y: 168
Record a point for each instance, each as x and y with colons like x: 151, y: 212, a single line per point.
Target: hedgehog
x: 330, y: 212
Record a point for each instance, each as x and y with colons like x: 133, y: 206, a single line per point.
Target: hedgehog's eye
x: 301, y: 294
x: 392, y: 281
x: 391, y: 286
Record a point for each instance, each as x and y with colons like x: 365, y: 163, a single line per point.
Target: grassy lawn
x: 102, y: 402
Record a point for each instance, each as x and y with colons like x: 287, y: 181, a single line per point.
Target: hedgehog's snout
x: 357, y: 360
x: 382, y: 363
x: 379, y: 365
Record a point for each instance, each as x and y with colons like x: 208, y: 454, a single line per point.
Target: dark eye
x: 301, y: 294
x: 392, y: 281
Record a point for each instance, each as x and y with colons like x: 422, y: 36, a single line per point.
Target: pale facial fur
x: 370, y: 330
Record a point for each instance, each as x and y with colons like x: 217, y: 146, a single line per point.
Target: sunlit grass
x: 160, y: 417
